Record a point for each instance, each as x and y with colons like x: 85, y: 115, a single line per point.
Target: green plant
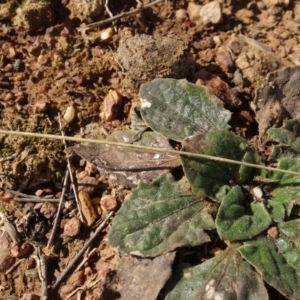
x: 250, y: 210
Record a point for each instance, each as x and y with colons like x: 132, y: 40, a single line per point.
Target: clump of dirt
x: 35, y: 15
x: 145, y: 58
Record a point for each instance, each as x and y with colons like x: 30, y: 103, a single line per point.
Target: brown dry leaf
x: 128, y: 166
x: 129, y: 281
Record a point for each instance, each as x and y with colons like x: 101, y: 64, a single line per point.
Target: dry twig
x: 80, y: 253
x: 119, y: 16
x: 151, y: 149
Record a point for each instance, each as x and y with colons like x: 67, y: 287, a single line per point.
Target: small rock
x: 224, y: 60
x: 193, y: 11
x: 72, y: 227
x: 112, y: 105
x: 273, y: 232
x: 87, y: 208
x: 48, y: 210
x: 211, y: 13
x: 106, y: 34
x: 108, y: 203
x: 40, y: 106
x: 88, y: 184
x: 181, y: 14
x: 69, y: 114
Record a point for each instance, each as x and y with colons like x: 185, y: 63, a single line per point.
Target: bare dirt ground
x: 90, y: 76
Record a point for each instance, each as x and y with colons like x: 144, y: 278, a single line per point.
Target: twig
x: 14, y: 266
x: 151, y: 149
x: 107, y: 9
x: 19, y: 194
x: 10, y: 157
x: 80, y: 253
x: 86, y: 259
x: 119, y: 16
x: 34, y: 200
x: 43, y: 274
x: 71, y: 173
x: 55, y: 225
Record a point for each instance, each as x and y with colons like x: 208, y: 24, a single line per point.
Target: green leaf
x: 287, y: 163
x: 275, y: 269
x: 234, y: 222
x: 208, y: 176
x: 225, y: 276
x: 291, y: 230
x: 178, y: 109
x: 286, y: 190
x: 288, y: 134
x: 160, y: 217
x: 276, y: 210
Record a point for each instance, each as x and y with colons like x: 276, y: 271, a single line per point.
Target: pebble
x: 108, y: 203
x: 112, y: 105
x: 72, y: 227
x: 224, y: 60
x: 106, y: 34
x: 211, y: 13
x: 40, y: 106
x: 88, y: 184
x: 273, y: 232
x: 193, y: 11
x: 181, y: 14
x: 69, y: 114
x: 48, y: 209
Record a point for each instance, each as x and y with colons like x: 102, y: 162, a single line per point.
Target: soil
x: 90, y: 77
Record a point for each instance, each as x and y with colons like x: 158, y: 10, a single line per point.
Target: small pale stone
x: 193, y: 11
x: 211, y: 13
x: 72, y: 227
x: 69, y: 114
x: 257, y: 192
x: 181, y: 14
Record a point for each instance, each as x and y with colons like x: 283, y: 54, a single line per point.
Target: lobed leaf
x: 160, y: 217
x: 225, y: 276
x: 276, y: 270
x: 233, y: 220
x: 178, y: 109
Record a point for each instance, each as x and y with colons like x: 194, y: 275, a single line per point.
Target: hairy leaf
x: 225, y: 276
x: 178, y: 109
x: 235, y: 222
x: 160, y: 217
x: 265, y: 256
x: 208, y: 176
x: 288, y: 134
